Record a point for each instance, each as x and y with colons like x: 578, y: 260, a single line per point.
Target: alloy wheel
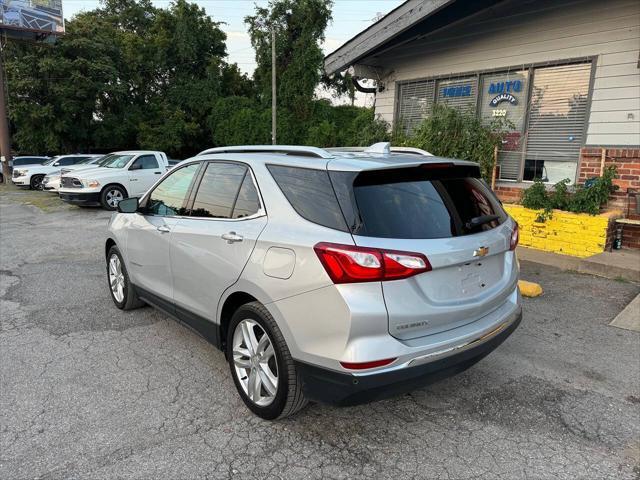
x: 255, y: 363
x: 114, y: 197
x: 116, y: 278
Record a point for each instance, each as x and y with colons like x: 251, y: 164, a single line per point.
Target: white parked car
x: 121, y: 175
x: 51, y: 182
x: 32, y: 175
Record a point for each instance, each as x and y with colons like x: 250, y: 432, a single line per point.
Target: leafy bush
x: 324, y: 134
x: 536, y: 197
x: 449, y: 132
x: 586, y: 198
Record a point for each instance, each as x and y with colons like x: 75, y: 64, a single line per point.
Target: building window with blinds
x: 556, y: 124
x: 415, y: 100
x: 504, y: 97
x: 460, y: 93
x: 545, y: 106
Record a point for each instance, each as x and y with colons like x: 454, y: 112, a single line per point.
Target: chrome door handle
x: 232, y: 237
x: 163, y: 229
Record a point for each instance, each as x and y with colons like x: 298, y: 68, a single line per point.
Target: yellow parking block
x: 529, y: 289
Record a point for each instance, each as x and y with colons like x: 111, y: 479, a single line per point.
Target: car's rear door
x: 212, y: 245
x: 456, y: 222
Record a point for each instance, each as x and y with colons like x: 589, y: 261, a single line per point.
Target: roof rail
x: 417, y: 151
x: 392, y: 149
x: 290, y: 149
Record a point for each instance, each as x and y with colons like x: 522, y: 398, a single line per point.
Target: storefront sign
x: 505, y: 87
x: 503, y: 97
x: 456, y: 91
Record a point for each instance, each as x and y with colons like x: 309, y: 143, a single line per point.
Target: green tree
x: 449, y: 132
x: 130, y: 75
x: 124, y: 75
x: 299, y: 27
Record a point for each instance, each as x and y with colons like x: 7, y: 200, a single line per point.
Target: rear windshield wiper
x: 481, y: 220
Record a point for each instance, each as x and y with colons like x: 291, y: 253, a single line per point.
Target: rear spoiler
x: 424, y: 171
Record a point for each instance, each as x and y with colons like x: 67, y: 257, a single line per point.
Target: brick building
x: 565, y: 73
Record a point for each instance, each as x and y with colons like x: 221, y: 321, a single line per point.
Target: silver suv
x: 337, y: 276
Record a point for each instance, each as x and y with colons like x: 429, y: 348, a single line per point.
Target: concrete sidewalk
x: 629, y: 318
x: 618, y: 264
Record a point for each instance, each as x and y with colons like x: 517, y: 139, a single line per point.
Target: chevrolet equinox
x: 340, y: 276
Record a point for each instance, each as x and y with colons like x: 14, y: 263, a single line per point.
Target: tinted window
x: 218, y: 190
x: 147, y: 162
x: 69, y: 161
x: 247, y: 202
x: 310, y: 193
x: 168, y: 198
x: 28, y: 161
x: 413, y: 203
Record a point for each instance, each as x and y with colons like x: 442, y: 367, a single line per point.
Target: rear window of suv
x: 409, y: 203
x: 418, y: 202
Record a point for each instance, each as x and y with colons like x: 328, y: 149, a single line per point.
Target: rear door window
x: 145, y: 162
x: 218, y: 190
x: 28, y: 161
x: 412, y: 203
x: 310, y: 193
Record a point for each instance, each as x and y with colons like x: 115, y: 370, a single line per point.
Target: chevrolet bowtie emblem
x: 481, y: 252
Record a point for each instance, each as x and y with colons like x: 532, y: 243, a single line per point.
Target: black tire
x: 108, y: 194
x: 36, y: 182
x: 130, y: 300
x: 289, y: 397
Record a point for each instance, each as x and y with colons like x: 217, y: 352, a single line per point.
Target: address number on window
x: 499, y: 113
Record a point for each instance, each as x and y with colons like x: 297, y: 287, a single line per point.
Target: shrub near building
x: 564, y: 221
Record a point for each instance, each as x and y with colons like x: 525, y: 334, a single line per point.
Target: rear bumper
x: 88, y: 199
x: 329, y: 386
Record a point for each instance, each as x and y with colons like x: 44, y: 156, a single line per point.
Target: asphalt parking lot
x: 88, y: 391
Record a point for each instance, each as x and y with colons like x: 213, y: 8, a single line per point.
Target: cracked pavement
x: 88, y: 391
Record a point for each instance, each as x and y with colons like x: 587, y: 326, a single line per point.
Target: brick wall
x: 631, y: 236
x: 508, y: 194
x: 627, y: 161
x: 576, y: 234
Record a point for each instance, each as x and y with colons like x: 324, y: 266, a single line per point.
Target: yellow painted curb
x: 529, y: 289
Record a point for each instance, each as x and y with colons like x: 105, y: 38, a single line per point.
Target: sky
x: 349, y: 18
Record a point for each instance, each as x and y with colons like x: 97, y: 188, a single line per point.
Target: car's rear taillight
x: 351, y: 264
x: 515, y: 237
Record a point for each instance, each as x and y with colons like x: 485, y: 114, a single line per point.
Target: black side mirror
x: 128, y: 205
x: 136, y: 166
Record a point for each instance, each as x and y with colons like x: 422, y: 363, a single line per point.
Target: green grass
x: 45, y: 201
x: 621, y: 280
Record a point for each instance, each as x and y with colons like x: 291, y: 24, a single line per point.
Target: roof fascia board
x: 393, y: 24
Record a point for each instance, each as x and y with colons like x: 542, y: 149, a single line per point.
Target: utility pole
x: 273, y: 85
x: 5, y: 141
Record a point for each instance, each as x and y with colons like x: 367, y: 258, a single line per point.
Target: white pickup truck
x: 32, y: 175
x: 123, y: 174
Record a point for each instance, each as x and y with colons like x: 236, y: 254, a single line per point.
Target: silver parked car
x: 335, y: 276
